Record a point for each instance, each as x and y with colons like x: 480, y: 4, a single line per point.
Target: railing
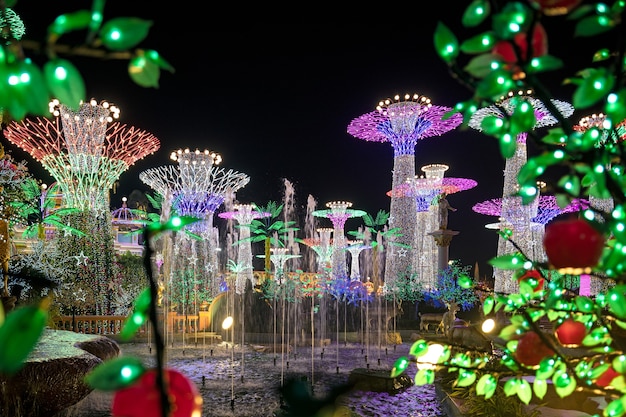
x: 105, y: 325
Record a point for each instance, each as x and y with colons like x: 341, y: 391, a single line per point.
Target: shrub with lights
x: 553, y: 329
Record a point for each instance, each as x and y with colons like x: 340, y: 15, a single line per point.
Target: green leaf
x: 476, y: 13
x: 544, y: 63
x: 419, y: 348
x: 123, y: 33
x: 154, y: 57
x: 564, y: 384
x: 69, y: 22
x: 488, y: 305
x: 508, y: 261
x: 65, y: 82
x: 619, y: 363
x: 616, y: 299
x: 511, y: 386
x: 540, y: 388
x: 571, y: 184
x: 115, y: 374
x: 399, y: 366
x: 524, y: 392
x: 465, y: 282
x: 584, y: 304
x: 546, y: 369
x: 594, y: 25
x: 615, y: 408
x: 486, y: 386
x: 615, y: 106
x: 482, y: 65
x: 144, y: 72
x: 511, y: 331
x: 597, y: 83
x: 523, y: 118
x: 478, y: 44
x: 446, y: 44
x: 466, y: 378
x: 138, y: 317
x: 20, y: 333
x: 495, y: 85
x: 424, y: 377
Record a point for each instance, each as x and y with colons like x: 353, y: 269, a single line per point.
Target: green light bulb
x: 476, y: 13
x: 446, y: 44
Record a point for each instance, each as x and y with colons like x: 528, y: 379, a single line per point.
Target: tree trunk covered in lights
x: 376, y: 280
x: 268, y: 261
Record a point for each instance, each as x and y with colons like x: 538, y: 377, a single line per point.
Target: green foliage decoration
x: 576, y: 164
x: 117, y: 37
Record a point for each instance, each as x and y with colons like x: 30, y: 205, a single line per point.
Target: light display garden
x: 558, y: 305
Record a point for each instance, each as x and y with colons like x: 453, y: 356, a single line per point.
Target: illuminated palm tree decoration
x: 270, y: 230
x: 38, y: 210
x: 376, y: 230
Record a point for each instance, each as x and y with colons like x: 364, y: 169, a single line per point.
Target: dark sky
x: 274, y: 96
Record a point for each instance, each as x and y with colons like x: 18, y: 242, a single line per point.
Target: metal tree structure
x: 403, y: 122
x: 514, y: 213
x: 355, y: 247
x: 243, y: 214
x: 85, y: 152
x: 339, y: 212
x: 195, y: 187
x: 322, y: 245
x: 543, y: 209
x: 425, y: 189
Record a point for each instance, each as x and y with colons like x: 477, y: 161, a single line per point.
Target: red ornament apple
x: 539, y: 45
x: 572, y: 245
x: 531, y: 350
x: 142, y: 399
x: 557, y: 7
x: 571, y: 333
x: 534, y: 278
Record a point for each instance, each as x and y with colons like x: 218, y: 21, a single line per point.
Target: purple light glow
x: 426, y: 189
x: 378, y: 127
x: 546, y: 211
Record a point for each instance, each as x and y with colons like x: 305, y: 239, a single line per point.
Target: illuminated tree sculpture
x: 83, y: 150
x: 322, y: 245
x: 355, y: 247
x: 196, y: 187
x: 517, y: 215
x: 425, y: 190
x: 403, y: 122
x: 339, y: 212
x: 244, y: 214
x: 543, y: 209
x: 86, y: 152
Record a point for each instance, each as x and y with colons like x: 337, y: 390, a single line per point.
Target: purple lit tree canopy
x: 403, y: 123
x: 547, y: 208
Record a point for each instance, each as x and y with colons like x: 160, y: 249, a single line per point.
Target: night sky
x: 274, y: 96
